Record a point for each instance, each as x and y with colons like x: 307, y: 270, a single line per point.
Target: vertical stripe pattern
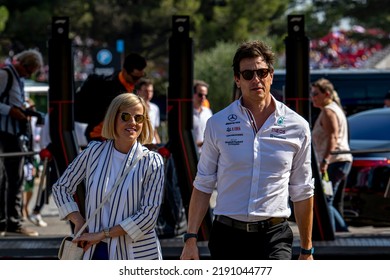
x: 134, y: 205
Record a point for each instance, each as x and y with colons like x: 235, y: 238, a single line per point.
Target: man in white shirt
x: 200, y: 113
x: 258, y: 155
x: 145, y: 90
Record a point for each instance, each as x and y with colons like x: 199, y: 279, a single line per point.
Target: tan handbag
x: 69, y: 250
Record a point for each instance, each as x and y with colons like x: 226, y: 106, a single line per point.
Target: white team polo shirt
x: 256, y: 172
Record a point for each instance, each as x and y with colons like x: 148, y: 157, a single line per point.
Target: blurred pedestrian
x: 330, y: 133
x: 145, y: 89
x: 200, y: 113
x: 258, y: 155
x: 31, y: 166
x: 13, y: 125
x: 50, y: 175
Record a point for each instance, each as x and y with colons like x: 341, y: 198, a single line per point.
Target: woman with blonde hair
x: 330, y: 133
x: 124, y: 228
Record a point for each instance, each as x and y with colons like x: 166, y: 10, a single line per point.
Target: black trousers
x: 273, y: 243
x: 11, y: 183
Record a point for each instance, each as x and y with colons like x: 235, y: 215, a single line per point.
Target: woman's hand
x: 323, y: 167
x: 86, y: 240
x: 78, y: 221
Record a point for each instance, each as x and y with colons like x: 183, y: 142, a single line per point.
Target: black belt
x: 249, y: 226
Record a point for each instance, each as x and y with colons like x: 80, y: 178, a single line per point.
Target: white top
x: 154, y: 116
x: 320, y: 135
x: 199, y: 124
x: 117, y: 161
x: 256, y: 171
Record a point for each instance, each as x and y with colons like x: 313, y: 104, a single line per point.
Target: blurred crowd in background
x: 339, y: 49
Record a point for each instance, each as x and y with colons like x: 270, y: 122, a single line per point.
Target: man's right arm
x: 199, y: 205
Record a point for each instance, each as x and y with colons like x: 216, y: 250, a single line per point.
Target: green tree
x: 4, y: 15
x: 145, y: 26
x: 214, y: 66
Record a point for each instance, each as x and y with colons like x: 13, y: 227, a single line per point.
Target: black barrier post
x: 63, y: 140
x: 297, y: 97
x: 180, y: 108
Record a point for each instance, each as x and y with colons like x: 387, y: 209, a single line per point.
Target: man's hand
x: 16, y: 113
x: 305, y: 257
x: 190, y: 250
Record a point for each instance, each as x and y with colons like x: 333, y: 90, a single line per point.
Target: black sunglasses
x: 314, y: 93
x: 261, y: 73
x: 200, y: 95
x: 127, y: 116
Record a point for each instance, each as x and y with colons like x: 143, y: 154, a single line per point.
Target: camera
x: 32, y: 113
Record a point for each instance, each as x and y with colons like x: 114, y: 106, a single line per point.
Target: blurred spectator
x: 200, y: 113
x: 338, y: 49
x: 31, y: 165
x: 13, y: 129
x: 330, y: 133
x: 144, y: 88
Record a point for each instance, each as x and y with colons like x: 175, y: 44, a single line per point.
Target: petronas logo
x: 280, y: 121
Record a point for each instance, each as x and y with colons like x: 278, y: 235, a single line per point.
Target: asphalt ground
x: 359, y: 243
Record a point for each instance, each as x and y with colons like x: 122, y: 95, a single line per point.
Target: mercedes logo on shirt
x: 232, y: 117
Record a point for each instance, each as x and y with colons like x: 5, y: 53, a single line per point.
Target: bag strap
x: 117, y: 183
x: 5, y: 93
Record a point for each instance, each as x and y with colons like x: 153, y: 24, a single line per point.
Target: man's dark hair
x: 134, y: 61
x: 251, y: 50
x: 387, y: 96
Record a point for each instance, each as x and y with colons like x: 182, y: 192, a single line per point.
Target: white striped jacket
x: 134, y: 205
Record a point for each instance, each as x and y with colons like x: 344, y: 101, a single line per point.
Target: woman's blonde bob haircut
x: 121, y: 102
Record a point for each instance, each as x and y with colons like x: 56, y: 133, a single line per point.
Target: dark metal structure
x: 297, y: 97
x: 60, y: 100
x: 181, y: 143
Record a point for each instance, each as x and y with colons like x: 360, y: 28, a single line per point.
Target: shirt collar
x: 128, y: 86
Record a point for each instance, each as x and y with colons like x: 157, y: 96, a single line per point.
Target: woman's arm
x: 144, y: 220
x: 331, y: 126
